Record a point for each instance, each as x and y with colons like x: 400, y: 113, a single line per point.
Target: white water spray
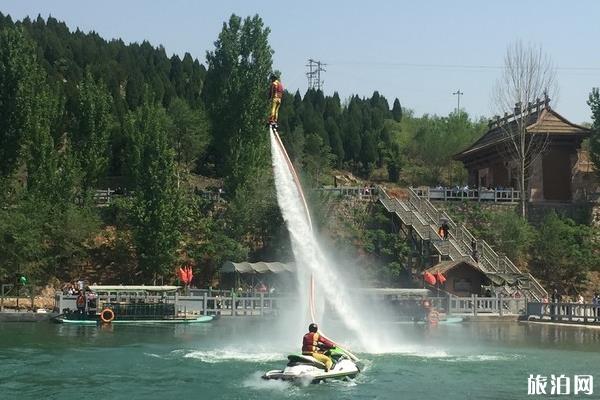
x: 310, y: 258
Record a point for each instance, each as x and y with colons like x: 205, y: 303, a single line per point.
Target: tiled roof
x: 541, y: 120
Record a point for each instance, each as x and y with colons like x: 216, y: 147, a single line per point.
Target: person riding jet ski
x: 314, y: 345
x: 321, y: 359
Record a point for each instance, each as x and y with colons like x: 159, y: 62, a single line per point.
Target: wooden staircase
x: 424, y: 219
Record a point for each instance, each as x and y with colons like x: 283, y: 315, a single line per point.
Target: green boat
x: 130, y: 305
x: 198, y: 320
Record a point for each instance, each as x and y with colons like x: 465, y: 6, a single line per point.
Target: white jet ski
x: 305, y: 368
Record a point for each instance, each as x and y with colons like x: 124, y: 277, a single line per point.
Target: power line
x: 454, y: 66
x: 314, y: 74
x: 458, y: 93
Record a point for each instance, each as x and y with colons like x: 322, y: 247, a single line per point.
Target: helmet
x: 313, y: 327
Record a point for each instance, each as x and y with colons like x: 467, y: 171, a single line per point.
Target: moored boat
x: 130, y: 305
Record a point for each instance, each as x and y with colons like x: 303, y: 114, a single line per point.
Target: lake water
x: 224, y: 360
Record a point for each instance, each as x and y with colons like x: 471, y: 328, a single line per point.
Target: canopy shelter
x: 462, y: 277
x: 257, y: 268
x: 132, y: 288
x: 258, y: 276
x: 465, y: 279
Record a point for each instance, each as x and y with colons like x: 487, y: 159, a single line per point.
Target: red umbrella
x: 429, y: 278
x: 440, y: 278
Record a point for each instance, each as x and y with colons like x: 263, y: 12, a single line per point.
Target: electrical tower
x: 314, y: 74
x: 458, y: 93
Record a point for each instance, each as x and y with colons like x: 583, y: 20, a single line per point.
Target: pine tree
x: 397, y: 111
x: 594, y: 103
x: 189, y: 134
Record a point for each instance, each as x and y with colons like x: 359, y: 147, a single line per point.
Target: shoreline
x: 571, y: 325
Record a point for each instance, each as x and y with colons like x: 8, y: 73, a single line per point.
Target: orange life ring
x: 433, y: 317
x: 107, y: 319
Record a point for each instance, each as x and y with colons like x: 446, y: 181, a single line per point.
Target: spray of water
x: 310, y: 258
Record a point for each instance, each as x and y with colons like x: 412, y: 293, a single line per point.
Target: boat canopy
x: 257, y: 268
x: 133, y: 288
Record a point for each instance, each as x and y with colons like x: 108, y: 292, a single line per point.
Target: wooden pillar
x: 500, y: 305
x: 204, y: 304
x: 233, y: 304
x: 262, y: 303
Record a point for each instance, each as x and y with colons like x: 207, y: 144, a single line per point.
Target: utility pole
x: 314, y: 74
x: 458, y: 93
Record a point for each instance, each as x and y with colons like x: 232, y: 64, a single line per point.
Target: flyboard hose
x: 311, y: 297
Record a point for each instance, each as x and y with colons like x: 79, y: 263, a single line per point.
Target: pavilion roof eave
x: 540, y: 119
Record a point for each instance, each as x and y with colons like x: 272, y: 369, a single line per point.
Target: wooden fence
x: 567, y: 312
x: 487, y: 305
x: 226, y: 303
x: 229, y: 304
x: 460, y: 194
x: 23, y: 297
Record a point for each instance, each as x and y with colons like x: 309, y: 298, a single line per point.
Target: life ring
x: 107, y: 318
x: 433, y: 317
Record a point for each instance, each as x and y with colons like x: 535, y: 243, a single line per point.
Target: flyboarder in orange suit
x: 275, y: 94
x: 314, y: 344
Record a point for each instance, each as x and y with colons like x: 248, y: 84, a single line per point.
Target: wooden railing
x: 569, y: 312
x: 264, y: 305
x: 23, y: 297
x: 509, y: 195
x: 368, y: 193
x: 230, y: 304
x: 486, y: 305
x: 418, y: 211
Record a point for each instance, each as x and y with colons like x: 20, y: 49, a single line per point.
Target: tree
x: 510, y: 235
x: 563, y: 254
x: 368, y: 153
x: 397, y: 111
x: 90, y: 138
x: 208, y: 240
x: 20, y: 76
x: 528, y: 76
x: 156, y: 208
x: 236, y: 100
x: 594, y: 103
x: 317, y: 156
x: 189, y: 134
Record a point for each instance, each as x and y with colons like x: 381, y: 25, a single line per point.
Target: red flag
x: 429, y: 278
x: 189, y: 275
x: 181, y: 275
x: 440, y: 277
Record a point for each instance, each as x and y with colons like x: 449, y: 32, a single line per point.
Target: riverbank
x: 26, y: 316
x: 568, y: 324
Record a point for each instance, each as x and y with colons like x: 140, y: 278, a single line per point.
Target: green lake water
x: 224, y: 360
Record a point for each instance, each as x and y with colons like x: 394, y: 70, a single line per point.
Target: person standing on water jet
x: 275, y: 94
x: 313, y: 344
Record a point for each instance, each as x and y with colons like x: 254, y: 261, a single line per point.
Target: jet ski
x: 305, y: 368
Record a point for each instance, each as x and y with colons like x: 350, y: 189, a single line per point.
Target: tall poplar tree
x: 90, y: 137
x: 235, y: 93
x: 157, y: 207
x: 20, y: 76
